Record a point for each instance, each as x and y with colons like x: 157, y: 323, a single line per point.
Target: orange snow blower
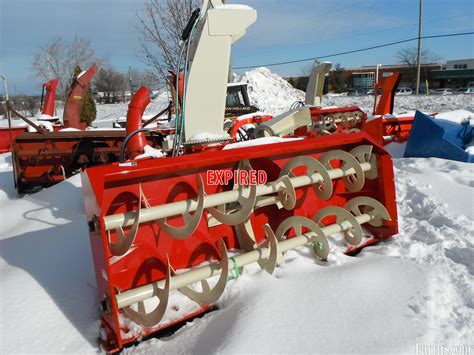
x: 168, y: 233
x: 44, y: 158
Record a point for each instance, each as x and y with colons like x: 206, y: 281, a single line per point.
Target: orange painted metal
x: 75, y: 100
x: 137, y: 107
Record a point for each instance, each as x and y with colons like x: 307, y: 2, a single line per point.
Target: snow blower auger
x: 150, y: 220
x: 167, y: 234
x: 44, y: 158
x: 324, y: 121
x: 329, y: 120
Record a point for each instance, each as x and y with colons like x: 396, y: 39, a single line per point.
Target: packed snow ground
x: 416, y: 288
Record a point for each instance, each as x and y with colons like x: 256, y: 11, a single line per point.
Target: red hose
x: 137, y: 107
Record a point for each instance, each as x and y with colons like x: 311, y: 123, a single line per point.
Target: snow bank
x: 48, y: 293
x: 270, y: 92
x: 406, y: 104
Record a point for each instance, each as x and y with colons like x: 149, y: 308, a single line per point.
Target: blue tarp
x: 439, y: 138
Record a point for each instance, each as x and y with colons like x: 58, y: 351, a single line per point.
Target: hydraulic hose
x: 183, y: 103
x: 127, y: 139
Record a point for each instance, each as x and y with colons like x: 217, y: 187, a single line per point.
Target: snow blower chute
x: 179, y: 227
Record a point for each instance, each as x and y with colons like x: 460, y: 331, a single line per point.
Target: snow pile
x: 457, y: 116
x: 270, y: 92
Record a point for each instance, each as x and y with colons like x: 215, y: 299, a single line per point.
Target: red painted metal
x: 46, y: 159
x: 318, y: 113
x: 137, y: 107
x: 115, y: 188
x: 250, y: 120
x: 50, y: 98
x: 385, y: 127
x: 75, y: 100
x: 5, y: 137
x: 388, y: 85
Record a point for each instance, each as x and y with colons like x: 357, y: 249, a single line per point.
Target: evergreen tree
x: 337, y: 79
x: 89, y: 111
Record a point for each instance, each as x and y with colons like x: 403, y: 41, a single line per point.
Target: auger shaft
x: 142, y: 293
x: 176, y: 208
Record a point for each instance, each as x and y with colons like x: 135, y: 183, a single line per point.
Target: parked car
x: 404, y: 91
x: 372, y: 92
x: 443, y: 91
x: 465, y: 90
x: 354, y: 92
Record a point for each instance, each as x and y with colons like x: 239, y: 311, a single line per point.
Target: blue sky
x: 285, y: 30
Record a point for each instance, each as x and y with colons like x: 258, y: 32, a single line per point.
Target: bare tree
x: 408, y: 56
x: 160, y: 25
x: 58, y: 58
x: 143, y: 78
x: 110, y: 84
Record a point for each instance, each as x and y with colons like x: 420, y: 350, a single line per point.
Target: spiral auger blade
x: 371, y: 206
x: 154, y: 317
x: 323, y: 189
x: 364, y: 154
x: 349, y: 219
x: 269, y: 264
x: 247, y: 204
x: 210, y: 295
x: 353, y: 234
x: 286, y: 194
x: 319, y: 240
x: 125, y: 242
x: 356, y: 180
x: 191, y: 222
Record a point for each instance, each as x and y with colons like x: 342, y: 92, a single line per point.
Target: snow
x: 457, y: 116
x: 273, y: 94
x: 14, y: 123
x: 259, y: 141
x: 269, y: 92
x: 69, y: 129
x: 150, y: 152
x: 207, y: 136
x: 43, y: 124
x: 44, y: 117
x: 417, y: 287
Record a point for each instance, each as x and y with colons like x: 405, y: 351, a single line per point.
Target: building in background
x: 457, y: 73
x: 454, y: 74
x: 363, y: 78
